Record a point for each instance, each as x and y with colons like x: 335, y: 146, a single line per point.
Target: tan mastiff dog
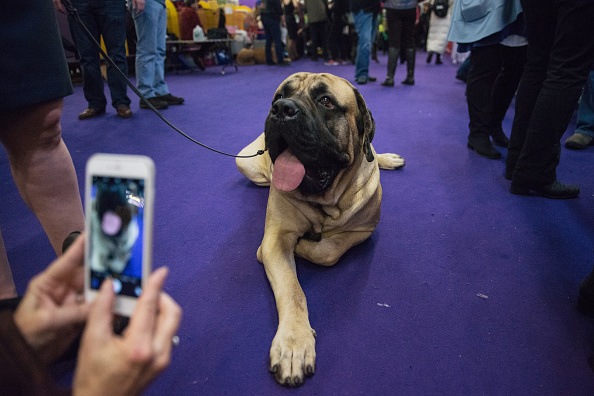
x: 325, y: 197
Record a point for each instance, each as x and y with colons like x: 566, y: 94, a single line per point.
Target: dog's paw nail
x: 310, y: 370
x: 297, y: 381
x: 273, y: 368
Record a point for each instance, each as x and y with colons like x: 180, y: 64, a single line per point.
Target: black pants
x: 493, y: 77
x: 560, y: 54
x: 401, y: 27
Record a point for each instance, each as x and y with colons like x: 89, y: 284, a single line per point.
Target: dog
x: 324, y: 197
x: 115, y: 228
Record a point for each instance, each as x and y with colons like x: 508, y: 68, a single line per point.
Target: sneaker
x: 579, y: 141
x: 331, y: 63
x: 156, y: 102
x: 170, y: 99
x: 362, y: 80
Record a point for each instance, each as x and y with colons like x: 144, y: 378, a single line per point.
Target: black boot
x: 410, y: 67
x: 429, y: 56
x: 392, y: 62
x: 438, y: 59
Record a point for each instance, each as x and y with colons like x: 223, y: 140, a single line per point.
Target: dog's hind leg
x: 259, y: 168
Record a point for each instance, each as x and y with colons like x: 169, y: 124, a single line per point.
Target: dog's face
x: 318, y: 126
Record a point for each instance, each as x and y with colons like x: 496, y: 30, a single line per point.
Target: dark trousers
x: 338, y: 42
x: 560, y: 54
x: 105, y: 18
x: 401, y: 27
x: 272, y: 31
x: 493, y: 77
x: 317, y: 30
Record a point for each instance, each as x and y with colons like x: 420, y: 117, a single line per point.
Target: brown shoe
x: 91, y: 113
x: 579, y: 141
x: 124, y: 111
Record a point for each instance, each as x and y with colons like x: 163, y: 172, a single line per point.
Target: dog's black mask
x: 303, y: 124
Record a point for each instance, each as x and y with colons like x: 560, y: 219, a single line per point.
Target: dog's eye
x: 327, y: 102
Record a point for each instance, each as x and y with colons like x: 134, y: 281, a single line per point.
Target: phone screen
x: 116, y: 238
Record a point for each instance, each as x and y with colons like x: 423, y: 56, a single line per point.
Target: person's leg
x: 363, y: 26
x: 408, y: 42
x: 113, y: 29
x: 160, y: 85
x: 43, y: 170
x: 486, y: 63
x: 394, y: 21
x: 584, y: 127
x: 89, y: 54
x: 569, y: 62
x: 278, y: 42
x: 146, y: 47
x: 504, y: 89
x: 7, y: 287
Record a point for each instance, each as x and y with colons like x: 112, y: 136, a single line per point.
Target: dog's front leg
x: 292, y: 354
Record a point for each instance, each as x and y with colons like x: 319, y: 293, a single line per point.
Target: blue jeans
x: 365, y: 27
x: 585, y: 115
x: 105, y: 18
x: 151, y: 31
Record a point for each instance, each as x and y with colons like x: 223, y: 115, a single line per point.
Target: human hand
x: 52, y: 312
x: 124, y: 365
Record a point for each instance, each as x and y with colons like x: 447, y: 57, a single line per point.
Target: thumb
x: 100, y: 323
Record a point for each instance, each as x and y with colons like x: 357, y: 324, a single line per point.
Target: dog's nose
x: 284, y: 109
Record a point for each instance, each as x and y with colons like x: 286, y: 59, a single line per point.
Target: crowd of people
x: 540, y: 52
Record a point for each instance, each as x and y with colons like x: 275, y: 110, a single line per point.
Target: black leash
x: 72, y: 12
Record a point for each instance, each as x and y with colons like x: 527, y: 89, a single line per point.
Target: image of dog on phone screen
x: 114, y: 223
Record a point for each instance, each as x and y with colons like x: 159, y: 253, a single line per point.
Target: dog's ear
x: 365, y: 125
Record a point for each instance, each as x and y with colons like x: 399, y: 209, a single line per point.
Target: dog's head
x: 318, y: 126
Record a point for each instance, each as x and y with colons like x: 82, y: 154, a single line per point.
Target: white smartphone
x: 119, y: 201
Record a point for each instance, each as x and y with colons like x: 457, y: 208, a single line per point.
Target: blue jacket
x: 473, y: 20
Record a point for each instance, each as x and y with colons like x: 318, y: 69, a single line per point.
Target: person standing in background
x: 317, y: 21
x: 30, y: 124
x: 365, y: 13
x: 150, y: 19
x: 437, y: 37
x: 401, y: 16
x: 272, y: 16
x: 107, y: 19
x: 560, y: 55
x: 338, y: 46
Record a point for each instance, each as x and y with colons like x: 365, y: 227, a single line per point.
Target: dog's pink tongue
x: 288, y: 172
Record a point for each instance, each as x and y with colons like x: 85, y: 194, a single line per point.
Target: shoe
x: 579, y: 141
x: 483, y: 147
x: 69, y: 240
x: 284, y: 63
x: 555, y: 190
x: 91, y: 113
x: 156, y: 102
x: 361, y: 80
x: 331, y: 63
x: 389, y: 82
x: 499, y: 138
x: 438, y: 60
x: 171, y: 100
x: 585, y: 303
x: 408, y: 81
x: 429, y: 57
x: 124, y: 111
x: 371, y: 79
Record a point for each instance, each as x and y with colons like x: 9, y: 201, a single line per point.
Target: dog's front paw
x: 293, y: 355
x: 390, y: 161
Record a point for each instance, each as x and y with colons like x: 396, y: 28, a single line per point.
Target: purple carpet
x: 463, y: 289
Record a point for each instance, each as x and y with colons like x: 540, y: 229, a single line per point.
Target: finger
x: 65, y: 266
x: 142, y: 322
x: 100, y: 322
x: 168, y: 322
x: 70, y: 314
